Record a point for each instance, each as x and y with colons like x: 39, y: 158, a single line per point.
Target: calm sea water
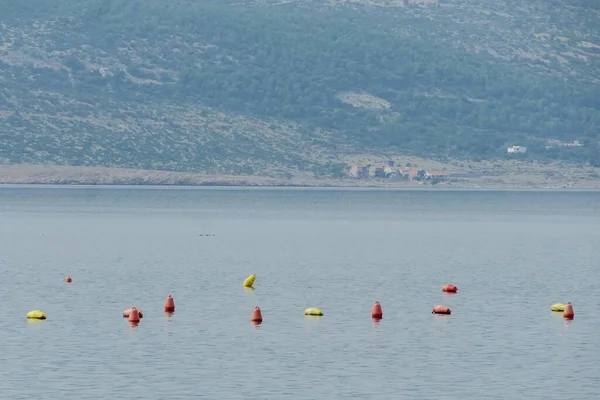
x: 512, y: 254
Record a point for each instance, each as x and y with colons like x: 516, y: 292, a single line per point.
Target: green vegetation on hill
x: 430, y: 80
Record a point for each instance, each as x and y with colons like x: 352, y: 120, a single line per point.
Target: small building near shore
x: 353, y: 172
x: 382, y: 170
x: 516, y: 149
x: 436, y: 175
x: 363, y: 172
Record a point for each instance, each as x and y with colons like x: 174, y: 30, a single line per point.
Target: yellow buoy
x: 559, y: 307
x: 313, y: 311
x: 36, y: 314
x: 249, y: 281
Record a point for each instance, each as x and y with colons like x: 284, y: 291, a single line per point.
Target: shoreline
x: 324, y: 188
x: 70, y: 176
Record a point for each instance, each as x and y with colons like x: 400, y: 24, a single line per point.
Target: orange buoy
x: 256, y: 315
x: 127, y: 312
x: 68, y: 279
x: 441, y: 309
x: 169, y: 304
x: 134, y: 315
x: 568, y: 313
x: 376, y: 312
x: 449, y: 289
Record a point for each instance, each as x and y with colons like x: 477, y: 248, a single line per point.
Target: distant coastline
x: 104, y: 176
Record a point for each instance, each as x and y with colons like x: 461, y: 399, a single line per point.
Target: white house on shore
x: 353, y: 173
x: 516, y: 149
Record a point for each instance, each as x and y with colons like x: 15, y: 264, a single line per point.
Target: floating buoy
x: 568, y: 313
x: 169, y: 304
x: 36, y: 314
x: 313, y: 311
x: 134, y: 315
x: 558, y: 307
x: 441, y: 310
x: 449, y: 289
x: 256, y: 315
x: 68, y: 279
x: 249, y: 281
x: 127, y: 312
x: 376, y: 312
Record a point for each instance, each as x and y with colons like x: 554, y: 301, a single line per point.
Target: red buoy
x: 128, y: 311
x: 134, y: 315
x: 256, y: 316
x: 376, y: 312
x: 169, y: 304
x: 449, y: 289
x: 68, y: 279
x: 441, y: 309
x: 568, y: 313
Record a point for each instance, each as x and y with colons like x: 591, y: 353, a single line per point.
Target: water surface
x: 512, y: 254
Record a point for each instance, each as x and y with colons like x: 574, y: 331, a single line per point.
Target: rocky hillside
x: 279, y: 88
